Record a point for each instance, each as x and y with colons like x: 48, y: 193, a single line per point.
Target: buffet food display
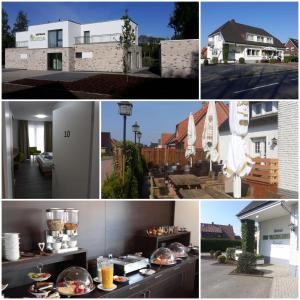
x: 74, y: 281
x: 163, y: 257
x: 179, y: 250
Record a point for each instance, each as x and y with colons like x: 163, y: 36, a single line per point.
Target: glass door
x: 55, y: 61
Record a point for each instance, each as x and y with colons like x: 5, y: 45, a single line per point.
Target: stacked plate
x: 11, y: 243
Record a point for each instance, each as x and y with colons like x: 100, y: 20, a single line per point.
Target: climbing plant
x: 225, y: 52
x: 248, y: 240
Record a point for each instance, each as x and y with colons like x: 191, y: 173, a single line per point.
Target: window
x: 55, y: 38
x: 268, y: 106
x: 257, y: 147
x: 252, y: 52
x: 284, y: 236
x: 78, y: 54
x: 36, y: 135
x: 260, y: 39
x: 250, y: 37
x: 86, y: 37
x: 257, y: 109
x: 265, y: 237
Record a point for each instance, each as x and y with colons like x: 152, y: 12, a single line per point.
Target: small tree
x: 7, y: 37
x: 127, y: 39
x: 248, y: 240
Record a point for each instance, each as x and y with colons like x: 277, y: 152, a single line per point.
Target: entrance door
x: 72, y: 144
x: 259, y: 147
x: 55, y: 61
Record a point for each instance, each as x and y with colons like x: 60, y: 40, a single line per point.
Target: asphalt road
x: 217, y: 283
x: 282, y: 85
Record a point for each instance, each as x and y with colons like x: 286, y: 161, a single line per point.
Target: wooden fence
x: 265, y: 170
x: 162, y: 156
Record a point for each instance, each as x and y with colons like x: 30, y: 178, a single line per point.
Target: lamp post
x: 139, y: 136
x: 135, y: 130
x: 125, y: 110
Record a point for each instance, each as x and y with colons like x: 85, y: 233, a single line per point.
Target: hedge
x: 248, y: 239
x: 218, y: 244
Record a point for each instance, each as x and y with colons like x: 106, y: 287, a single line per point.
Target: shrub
x: 241, y: 60
x: 287, y: 59
x: 230, y: 253
x: 221, y: 259
x: 218, y: 253
x: 214, y: 60
x: 248, y: 240
x: 264, y: 61
x: 112, y: 188
x: 273, y: 61
x: 212, y: 252
x: 246, y: 262
x: 225, y: 52
x: 218, y: 244
x: 205, y: 62
x: 226, y: 62
x: 259, y: 256
x: 257, y: 61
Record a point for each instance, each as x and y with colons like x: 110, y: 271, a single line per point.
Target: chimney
x: 232, y: 20
x: 212, y: 223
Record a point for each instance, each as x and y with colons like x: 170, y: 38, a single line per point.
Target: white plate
x: 40, y: 279
x: 4, y: 286
x: 38, y: 294
x: 147, y: 272
x: 96, y: 279
x: 100, y: 287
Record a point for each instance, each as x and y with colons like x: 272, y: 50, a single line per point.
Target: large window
x: 36, y: 135
x: 55, y: 38
x: 86, y: 35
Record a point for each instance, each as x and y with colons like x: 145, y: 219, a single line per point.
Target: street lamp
x: 139, y: 135
x: 135, y: 130
x: 125, y: 110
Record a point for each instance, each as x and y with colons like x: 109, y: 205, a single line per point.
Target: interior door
x: 72, y: 150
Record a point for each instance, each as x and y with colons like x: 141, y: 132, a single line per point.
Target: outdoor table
x: 216, y: 194
x: 185, y: 180
x: 193, y: 194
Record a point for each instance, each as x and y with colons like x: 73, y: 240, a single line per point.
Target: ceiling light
x: 41, y: 116
x: 257, y: 216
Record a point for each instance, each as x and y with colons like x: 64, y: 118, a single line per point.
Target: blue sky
x: 154, y: 118
x: 222, y: 212
x: 153, y: 18
x: 278, y: 18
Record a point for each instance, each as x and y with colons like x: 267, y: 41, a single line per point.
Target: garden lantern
x: 139, y: 136
x: 125, y: 110
x: 135, y: 130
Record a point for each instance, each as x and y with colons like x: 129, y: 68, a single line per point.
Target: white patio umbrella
x: 191, y: 139
x: 239, y: 163
x: 210, y: 135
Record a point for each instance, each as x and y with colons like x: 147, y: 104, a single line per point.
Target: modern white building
x: 243, y: 41
x: 277, y: 231
x: 262, y: 138
x: 70, y: 46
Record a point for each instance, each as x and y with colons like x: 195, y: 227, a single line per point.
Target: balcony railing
x: 23, y: 44
x: 103, y: 38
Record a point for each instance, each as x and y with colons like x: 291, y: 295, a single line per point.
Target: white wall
x: 278, y: 249
x: 294, y: 258
x: 7, y: 151
x: 268, y: 130
x: 218, y: 41
x: 187, y: 215
x: 22, y: 36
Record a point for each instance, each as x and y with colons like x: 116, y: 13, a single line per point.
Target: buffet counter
x: 168, y: 282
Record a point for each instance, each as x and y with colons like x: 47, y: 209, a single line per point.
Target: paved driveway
x: 250, y: 81
x: 9, y: 75
x: 217, y: 283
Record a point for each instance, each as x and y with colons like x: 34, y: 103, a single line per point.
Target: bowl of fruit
x: 39, y: 276
x: 74, y: 281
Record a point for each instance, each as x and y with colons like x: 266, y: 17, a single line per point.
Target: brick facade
x: 291, y: 48
x: 288, y: 148
x: 105, y: 57
x: 180, y: 58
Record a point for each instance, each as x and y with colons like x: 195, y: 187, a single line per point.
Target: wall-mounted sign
x: 67, y: 133
x: 38, y: 37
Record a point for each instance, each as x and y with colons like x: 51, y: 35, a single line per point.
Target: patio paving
x: 284, y: 287
x: 217, y: 283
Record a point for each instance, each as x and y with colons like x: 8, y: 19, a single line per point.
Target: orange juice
x: 107, y: 276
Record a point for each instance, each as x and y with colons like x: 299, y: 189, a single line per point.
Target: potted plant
x: 260, y: 259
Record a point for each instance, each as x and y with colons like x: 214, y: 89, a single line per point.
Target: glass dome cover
x: 163, y: 257
x: 179, y: 250
x: 74, y: 281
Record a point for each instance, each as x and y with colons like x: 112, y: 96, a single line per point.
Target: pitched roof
x: 236, y: 33
x: 294, y: 41
x: 253, y: 206
x: 105, y: 140
x: 165, y: 137
x: 181, y: 128
x: 227, y: 230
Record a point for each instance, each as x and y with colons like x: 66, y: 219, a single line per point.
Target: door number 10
x: 67, y: 134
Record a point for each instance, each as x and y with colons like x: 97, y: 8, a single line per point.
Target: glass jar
x: 72, y: 219
x: 55, y: 219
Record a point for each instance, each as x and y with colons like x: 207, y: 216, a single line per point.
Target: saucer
x: 100, y: 287
x: 96, y: 279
